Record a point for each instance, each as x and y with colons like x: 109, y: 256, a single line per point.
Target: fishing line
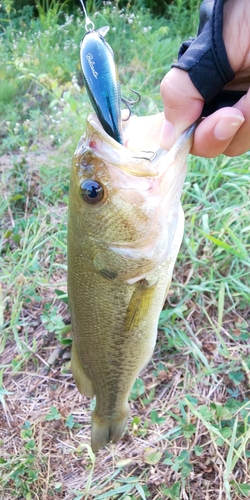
x: 87, y: 19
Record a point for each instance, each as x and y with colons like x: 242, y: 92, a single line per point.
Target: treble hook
x: 130, y: 102
x: 129, y: 109
x: 87, y: 19
x: 154, y: 154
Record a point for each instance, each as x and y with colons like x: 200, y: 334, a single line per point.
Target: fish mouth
x: 102, y: 146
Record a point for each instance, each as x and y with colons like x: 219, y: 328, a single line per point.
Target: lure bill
x: 101, y: 79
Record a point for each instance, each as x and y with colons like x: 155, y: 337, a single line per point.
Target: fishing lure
x: 101, y: 78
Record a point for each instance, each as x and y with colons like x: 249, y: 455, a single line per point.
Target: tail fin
x: 105, y: 430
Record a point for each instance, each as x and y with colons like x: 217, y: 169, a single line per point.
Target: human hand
x: 228, y: 129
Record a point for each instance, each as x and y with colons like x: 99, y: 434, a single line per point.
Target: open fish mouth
x: 141, y: 135
x: 138, y: 158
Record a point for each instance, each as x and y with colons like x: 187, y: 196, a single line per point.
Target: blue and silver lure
x: 101, y: 78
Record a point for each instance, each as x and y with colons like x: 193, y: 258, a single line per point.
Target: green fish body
x: 125, y: 228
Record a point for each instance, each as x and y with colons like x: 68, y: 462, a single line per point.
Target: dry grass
x: 62, y: 455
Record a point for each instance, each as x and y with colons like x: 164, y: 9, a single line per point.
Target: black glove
x: 205, y: 58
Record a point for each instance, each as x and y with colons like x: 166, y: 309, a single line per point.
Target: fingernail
x: 167, y: 135
x: 227, y: 127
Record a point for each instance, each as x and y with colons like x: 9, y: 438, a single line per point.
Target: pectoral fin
x: 139, y: 304
x: 82, y: 381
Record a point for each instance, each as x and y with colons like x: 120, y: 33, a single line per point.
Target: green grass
x: 188, y: 434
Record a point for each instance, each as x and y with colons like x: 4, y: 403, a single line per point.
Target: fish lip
x: 104, y: 147
x: 94, y: 124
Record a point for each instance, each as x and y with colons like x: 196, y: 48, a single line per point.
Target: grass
x: 188, y: 434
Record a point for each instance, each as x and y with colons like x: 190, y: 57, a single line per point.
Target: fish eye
x: 92, y: 191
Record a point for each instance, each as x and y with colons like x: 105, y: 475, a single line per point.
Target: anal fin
x: 82, y: 381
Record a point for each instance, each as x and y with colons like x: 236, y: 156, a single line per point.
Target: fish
x: 101, y: 79
x: 125, y: 228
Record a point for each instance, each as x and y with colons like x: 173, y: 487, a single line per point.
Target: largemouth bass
x: 125, y: 228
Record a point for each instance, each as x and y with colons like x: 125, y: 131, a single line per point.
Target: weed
x: 22, y: 473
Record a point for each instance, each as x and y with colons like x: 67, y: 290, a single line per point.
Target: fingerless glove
x: 204, y: 57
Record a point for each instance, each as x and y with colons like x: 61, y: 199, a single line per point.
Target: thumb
x: 183, y: 105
